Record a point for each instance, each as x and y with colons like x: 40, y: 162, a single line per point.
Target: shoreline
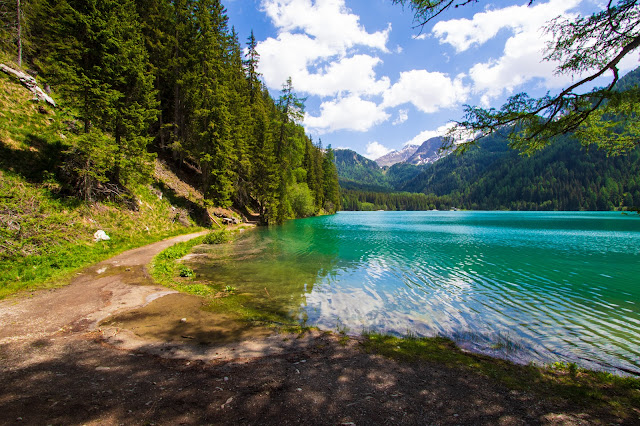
x: 312, y: 377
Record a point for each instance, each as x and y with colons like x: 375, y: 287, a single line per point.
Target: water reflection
x: 528, y: 286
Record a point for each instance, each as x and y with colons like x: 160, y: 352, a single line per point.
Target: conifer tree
x: 209, y: 139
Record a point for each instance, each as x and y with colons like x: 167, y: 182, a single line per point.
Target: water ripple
x: 537, y: 287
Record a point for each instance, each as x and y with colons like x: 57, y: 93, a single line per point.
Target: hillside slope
x: 354, y: 170
x: 45, y: 231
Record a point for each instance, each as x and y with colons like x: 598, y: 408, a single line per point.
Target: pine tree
x: 331, y: 186
x: 209, y: 137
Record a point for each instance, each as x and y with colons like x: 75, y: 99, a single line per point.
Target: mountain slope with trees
x: 147, y: 77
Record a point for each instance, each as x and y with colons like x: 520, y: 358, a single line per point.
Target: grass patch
x: 220, y: 236
x: 599, y: 391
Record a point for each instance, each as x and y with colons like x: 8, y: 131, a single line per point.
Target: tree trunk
x: 19, y: 35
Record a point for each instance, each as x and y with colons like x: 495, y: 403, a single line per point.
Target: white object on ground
x: 100, y: 236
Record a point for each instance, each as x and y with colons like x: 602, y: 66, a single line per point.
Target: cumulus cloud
x: 348, y: 113
x: 403, y: 115
x: 376, y: 150
x: 427, y: 91
x: 313, y: 46
x: 319, y: 46
x: 522, y: 58
x: 464, y: 33
x: 326, y: 20
x: 428, y: 134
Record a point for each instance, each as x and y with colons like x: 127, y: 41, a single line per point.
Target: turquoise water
x: 527, y: 286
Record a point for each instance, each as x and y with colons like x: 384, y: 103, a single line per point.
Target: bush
x: 217, y: 237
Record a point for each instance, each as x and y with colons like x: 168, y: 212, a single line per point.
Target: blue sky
x: 374, y: 83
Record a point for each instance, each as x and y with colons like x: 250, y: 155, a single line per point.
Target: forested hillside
x: 356, y: 172
x: 156, y: 77
x: 563, y: 176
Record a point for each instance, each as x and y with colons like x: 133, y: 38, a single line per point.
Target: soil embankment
x: 58, y: 366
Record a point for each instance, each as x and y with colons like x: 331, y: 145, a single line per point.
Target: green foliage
x: 46, y: 234
x: 217, y: 237
x: 302, y: 201
x: 186, y: 272
x: 170, y: 77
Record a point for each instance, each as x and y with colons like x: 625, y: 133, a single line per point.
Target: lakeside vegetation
x: 166, y: 269
x: 46, y: 233
x: 144, y: 89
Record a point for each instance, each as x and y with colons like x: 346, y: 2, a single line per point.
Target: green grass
x: 220, y: 236
x: 598, y: 391
x: 46, y: 235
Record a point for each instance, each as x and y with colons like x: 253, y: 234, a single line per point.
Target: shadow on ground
x: 71, y: 380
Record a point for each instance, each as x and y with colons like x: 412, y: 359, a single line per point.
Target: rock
x: 100, y: 236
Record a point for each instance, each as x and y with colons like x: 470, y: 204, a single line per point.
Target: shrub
x: 186, y: 272
x: 217, y: 237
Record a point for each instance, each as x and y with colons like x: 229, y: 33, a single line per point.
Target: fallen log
x: 28, y: 82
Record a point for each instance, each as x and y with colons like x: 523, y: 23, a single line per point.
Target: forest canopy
x: 159, y: 77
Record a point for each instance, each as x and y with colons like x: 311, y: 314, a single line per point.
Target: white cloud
x: 522, y: 57
x: 464, y: 33
x: 349, y: 113
x: 403, y: 115
x: 354, y: 74
x: 328, y: 21
x: 427, y: 91
x: 428, y: 134
x: 376, y: 150
x: 422, y: 36
x: 320, y: 34
x: 318, y: 46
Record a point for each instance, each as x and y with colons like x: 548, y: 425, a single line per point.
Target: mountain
x: 428, y: 152
x: 563, y: 176
x: 418, y: 155
x: 358, y: 172
x: 395, y: 157
x: 491, y: 176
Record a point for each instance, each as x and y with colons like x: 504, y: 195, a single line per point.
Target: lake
x: 526, y: 286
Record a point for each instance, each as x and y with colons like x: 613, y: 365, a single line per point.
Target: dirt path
x: 57, y: 366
